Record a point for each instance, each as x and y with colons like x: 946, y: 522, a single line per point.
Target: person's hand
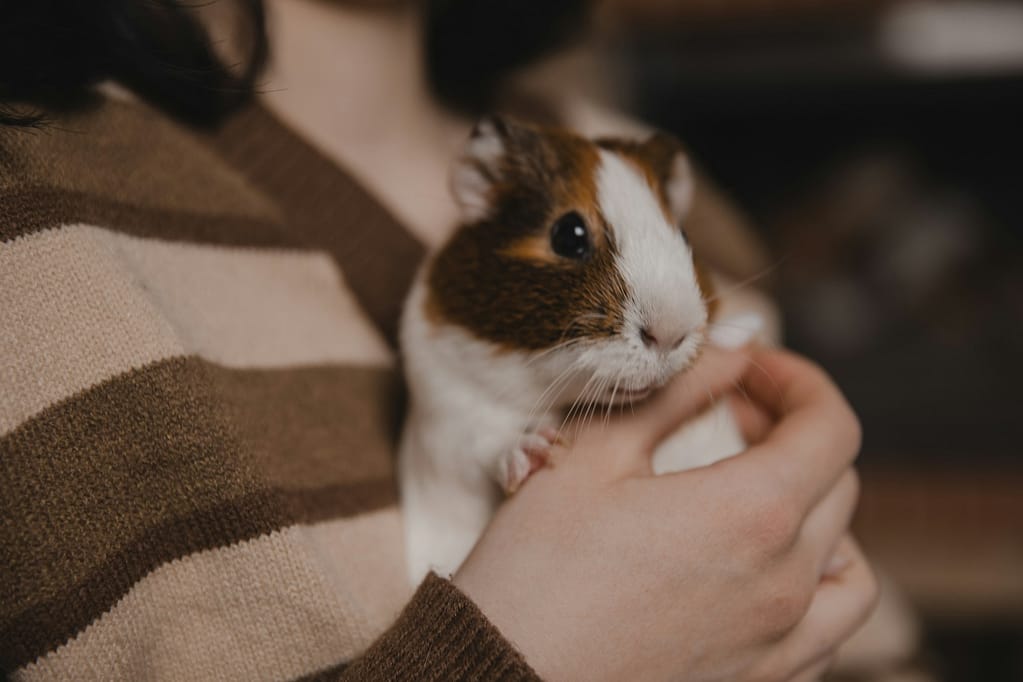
x: 737, y: 571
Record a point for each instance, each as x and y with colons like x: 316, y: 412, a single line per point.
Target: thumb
x: 629, y: 441
x: 713, y: 375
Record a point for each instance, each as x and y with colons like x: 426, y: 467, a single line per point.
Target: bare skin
x: 738, y: 571
x: 350, y: 78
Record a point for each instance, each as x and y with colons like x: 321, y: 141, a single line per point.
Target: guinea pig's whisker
x: 545, y: 401
x: 763, y: 370
x: 559, y: 346
x: 738, y: 382
x: 550, y: 393
x: 711, y: 325
x: 579, y: 400
x: 614, y: 393
x: 587, y: 399
x: 599, y: 407
x: 741, y: 389
x: 746, y: 282
x: 577, y: 321
x: 712, y: 399
x: 591, y: 410
x: 611, y: 402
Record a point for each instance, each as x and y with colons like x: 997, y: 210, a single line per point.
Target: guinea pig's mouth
x: 621, y: 395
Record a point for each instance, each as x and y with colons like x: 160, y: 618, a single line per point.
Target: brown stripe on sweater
x: 112, y: 604
x: 85, y: 304
x: 97, y: 153
x: 340, y: 500
x: 207, y: 611
x: 129, y: 152
x: 31, y: 209
x: 42, y: 626
x: 330, y: 674
x: 177, y: 188
x: 168, y: 459
x: 441, y: 636
x: 377, y: 255
x: 302, y: 424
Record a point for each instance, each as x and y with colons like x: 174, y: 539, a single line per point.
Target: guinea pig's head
x: 572, y: 252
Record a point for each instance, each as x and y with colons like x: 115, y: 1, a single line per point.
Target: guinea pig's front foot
x: 530, y: 454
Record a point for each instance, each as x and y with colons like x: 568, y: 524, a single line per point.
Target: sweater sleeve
x: 197, y: 425
x: 441, y: 635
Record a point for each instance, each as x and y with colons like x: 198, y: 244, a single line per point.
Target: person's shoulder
x: 122, y: 165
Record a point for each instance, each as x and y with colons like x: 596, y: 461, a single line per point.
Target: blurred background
x: 876, y: 148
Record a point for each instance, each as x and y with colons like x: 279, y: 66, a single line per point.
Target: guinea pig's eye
x: 570, y: 238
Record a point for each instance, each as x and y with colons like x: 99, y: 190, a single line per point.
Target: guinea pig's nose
x: 653, y: 339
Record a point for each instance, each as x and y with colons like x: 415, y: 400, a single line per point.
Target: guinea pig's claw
x: 552, y: 434
x: 528, y: 456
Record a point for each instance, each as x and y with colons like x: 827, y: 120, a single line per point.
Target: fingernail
x: 836, y: 564
x: 735, y: 331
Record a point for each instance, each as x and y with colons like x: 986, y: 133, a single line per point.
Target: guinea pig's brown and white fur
x: 570, y: 282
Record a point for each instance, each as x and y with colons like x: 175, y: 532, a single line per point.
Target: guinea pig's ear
x: 667, y: 157
x: 479, y: 168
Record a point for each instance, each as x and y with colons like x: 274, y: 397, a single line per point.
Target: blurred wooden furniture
x: 952, y: 538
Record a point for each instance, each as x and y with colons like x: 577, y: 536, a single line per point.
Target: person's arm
x: 741, y: 570
x: 441, y: 635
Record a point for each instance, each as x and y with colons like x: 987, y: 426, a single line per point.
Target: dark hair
x: 473, y: 45
x: 52, y: 51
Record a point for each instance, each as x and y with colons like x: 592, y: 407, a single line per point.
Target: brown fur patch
x: 537, y: 246
x: 639, y: 164
x: 500, y: 279
x: 654, y: 158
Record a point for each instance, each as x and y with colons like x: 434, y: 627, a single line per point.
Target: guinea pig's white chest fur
x: 571, y: 285
x: 467, y: 410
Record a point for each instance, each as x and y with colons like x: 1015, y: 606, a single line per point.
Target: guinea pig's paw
x: 529, y: 455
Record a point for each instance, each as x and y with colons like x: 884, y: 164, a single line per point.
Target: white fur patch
x: 653, y: 256
x: 471, y: 189
x: 486, y: 144
x: 469, y: 179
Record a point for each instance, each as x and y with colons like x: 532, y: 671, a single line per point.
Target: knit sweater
x: 199, y: 401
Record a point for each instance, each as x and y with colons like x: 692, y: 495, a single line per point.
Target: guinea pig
x: 569, y: 283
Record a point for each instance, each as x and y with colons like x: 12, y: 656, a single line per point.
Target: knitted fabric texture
x: 199, y: 404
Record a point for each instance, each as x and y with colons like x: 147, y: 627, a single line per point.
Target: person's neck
x: 351, y: 79
x: 356, y: 69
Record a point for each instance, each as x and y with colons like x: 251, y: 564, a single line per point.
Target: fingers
x: 826, y: 525
x: 840, y: 605
x: 716, y: 372
x: 626, y: 444
x: 753, y: 420
x: 815, y: 671
x: 816, y: 436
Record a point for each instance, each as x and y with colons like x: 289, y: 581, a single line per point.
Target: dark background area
x: 936, y: 369
x: 890, y: 190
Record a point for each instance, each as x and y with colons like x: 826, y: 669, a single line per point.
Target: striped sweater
x: 198, y: 410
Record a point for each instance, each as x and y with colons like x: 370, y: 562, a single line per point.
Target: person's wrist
x: 507, y: 611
